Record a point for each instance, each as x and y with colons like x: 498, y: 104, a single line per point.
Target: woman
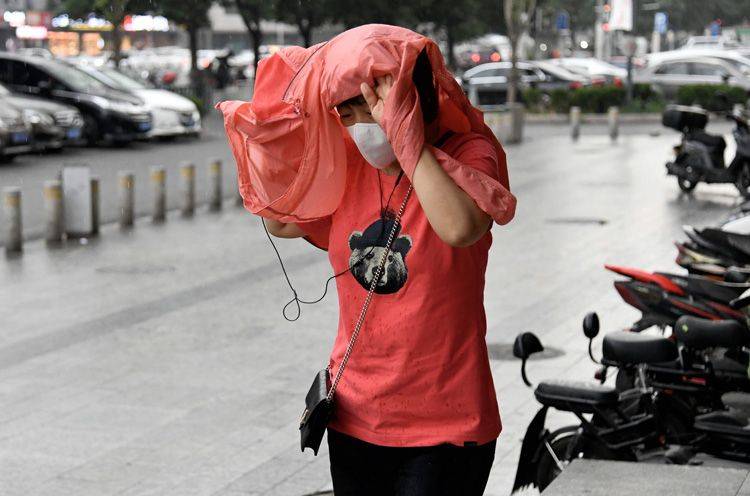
x: 415, y: 411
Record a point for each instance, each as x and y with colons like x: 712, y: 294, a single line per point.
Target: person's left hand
x: 375, y: 98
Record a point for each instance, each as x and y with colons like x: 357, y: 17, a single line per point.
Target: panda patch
x: 367, y: 250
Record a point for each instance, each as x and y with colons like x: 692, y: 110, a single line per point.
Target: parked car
x: 173, y: 114
x: 559, y: 77
x: 710, y: 42
x: 110, y: 116
x: 668, y: 75
x: 597, y: 70
x: 53, y: 125
x: 15, y: 133
x: 491, y: 80
x: 734, y: 57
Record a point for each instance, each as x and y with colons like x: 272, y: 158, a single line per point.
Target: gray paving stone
x: 187, y: 380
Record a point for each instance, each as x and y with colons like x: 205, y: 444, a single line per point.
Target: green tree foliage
x: 113, y: 11
x: 396, y: 12
x: 252, y: 13
x: 459, y: 21
x: 305, y: 14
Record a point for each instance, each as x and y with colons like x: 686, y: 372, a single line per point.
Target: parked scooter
x: 716, y: 251
x: 663, y: 297
x: 615, y: 430
x: 700, y: 155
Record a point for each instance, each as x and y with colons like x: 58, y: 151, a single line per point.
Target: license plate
x: 19, y: 137
x: 73, y: 133
x: 144, y: 126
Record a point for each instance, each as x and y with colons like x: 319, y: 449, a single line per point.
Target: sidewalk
x: 156, y: 361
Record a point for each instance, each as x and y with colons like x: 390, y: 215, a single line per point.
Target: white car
x: 173, y: 114
x: 591, y: 68
x: 732, y: 57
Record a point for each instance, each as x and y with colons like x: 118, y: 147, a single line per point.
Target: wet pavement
x: 155, y: 361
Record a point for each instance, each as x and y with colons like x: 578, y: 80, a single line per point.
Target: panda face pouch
x: 319, y: 402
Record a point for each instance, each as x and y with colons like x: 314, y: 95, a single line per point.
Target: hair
x: 424, y: 81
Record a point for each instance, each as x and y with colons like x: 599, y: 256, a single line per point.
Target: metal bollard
x: 126, y: 181
x: 159, y: 184
x: 613, y: 118
x: 95, y: 205
x: 53, y: 206
x: 575, y: 122
x: 187, y: 175
x: 214, y: 173
x: 13, y: 225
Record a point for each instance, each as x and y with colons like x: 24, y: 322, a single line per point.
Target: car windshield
x: 75, y: 78
x: 122, y: 80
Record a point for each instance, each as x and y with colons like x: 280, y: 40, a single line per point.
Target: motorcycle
x: 700, y: 156
x: 663, y: 297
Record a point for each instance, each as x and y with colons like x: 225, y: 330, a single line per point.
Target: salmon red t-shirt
x: 419, y: 373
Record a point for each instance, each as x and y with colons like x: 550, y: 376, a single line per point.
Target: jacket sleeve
x: 477, y: 168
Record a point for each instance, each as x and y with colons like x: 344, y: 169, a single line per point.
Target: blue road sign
x: 661, y: 22
x: 563, y: 21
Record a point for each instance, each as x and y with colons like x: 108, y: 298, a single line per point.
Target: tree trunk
x: 513, y: 82
x: 305, y: 30
x: 450, y: 42
x: 117, y: 44
x: 256, y: 39
x: 193, y: 41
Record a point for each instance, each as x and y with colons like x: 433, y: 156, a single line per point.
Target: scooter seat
x: 623, y: 347
x: 577, y: 396
x: 723, y: 422
x: 712, y: 141
x: 699, y: 334
x: 737, y: 401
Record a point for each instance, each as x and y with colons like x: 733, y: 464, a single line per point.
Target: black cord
x: 296, y: 300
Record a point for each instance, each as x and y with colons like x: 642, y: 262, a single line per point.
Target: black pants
x: 363, y: 469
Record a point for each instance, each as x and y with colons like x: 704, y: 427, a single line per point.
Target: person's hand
x: 375, y: 98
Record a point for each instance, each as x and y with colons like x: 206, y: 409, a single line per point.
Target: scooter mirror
x: 526, y: 344
x: 591, y: 325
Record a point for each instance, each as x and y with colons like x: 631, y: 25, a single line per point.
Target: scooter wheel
x: 686, y: 185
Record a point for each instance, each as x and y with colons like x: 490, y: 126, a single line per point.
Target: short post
x: 126, y: 182
x: 575, y: 122
x: 95, y: 197
x: 613, y: 119
x: 187, y: 175
x: 53, y: 206
x: 214, y: 174
x: 473, y: 94
x: 13, y: 226
x: 159, y: 185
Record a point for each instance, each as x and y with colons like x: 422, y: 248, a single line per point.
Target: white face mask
x: 372, y: 144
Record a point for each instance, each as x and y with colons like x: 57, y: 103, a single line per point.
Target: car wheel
x: 91, y: 134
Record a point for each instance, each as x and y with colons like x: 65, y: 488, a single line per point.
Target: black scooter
x: 627, y: 426
x: 700, y: 155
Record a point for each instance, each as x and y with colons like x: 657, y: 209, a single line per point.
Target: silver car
x: 488, y: 83
x: 668, y: 75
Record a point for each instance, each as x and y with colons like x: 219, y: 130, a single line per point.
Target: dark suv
x: 109, y: 116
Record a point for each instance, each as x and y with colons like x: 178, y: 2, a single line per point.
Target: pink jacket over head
x: 289, y: 143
